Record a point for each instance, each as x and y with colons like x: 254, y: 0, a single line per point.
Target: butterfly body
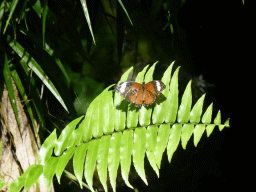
x: 140, y: 94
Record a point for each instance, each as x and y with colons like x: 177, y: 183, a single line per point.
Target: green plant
x: 2, y: 183
x: 108, y: 133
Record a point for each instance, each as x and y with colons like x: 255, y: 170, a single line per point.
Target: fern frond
x: 113, y: 133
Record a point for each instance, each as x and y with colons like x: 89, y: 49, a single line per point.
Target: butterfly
x: 140, y: 94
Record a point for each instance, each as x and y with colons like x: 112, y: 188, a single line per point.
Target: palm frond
x: 113, y: 133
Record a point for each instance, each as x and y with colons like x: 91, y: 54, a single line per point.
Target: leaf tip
x: 227, y: 123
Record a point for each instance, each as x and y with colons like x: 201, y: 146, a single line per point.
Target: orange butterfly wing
x: 140, y: 93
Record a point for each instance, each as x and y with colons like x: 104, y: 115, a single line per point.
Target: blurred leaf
x: 125, y: 11
x: 2, y: 184
x: 155, y: 7
x: 227, y: 123
x: 24, y: 96
x: 34, y: 92
x: 23, y: 10
x: 36, y: 69
x: 119, y: 32
x: 12, y: 9
x: 10, y: 89
x: 0, y: 149
x: 45, y: 10
x: 1, y: 16
x: 37, y: 7
x: 86, y: 90
x: 86, y: 12
x: 49, y: 50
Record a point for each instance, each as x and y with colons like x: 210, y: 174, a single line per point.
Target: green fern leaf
x: 171, y: 102
x: 78, y: 162
x: 161, y: 142
x: 114, y: 157
x: 90, y: 161
x: 120, y: 115
x: 125, y: 155
x: 160, y: 111
x: 151, y: 137
x: 129, y: 143
x: 49, y: 170
x: 112, y: 132
x: 185, y: 106
x: 102, y: 162
x: 63, y: 161
x: 174, y: 140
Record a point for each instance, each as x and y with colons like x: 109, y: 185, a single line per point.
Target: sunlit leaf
x: 49, y: 170
x: 78, y: 162
x: 186, y: 133
x: 185, y: 106
x: 139, y: 150
x: 17, y: 184
x: 151, y: 138
x: 161, y: 142
x: 63, y: 161
x: 90, y: 162
x: 102, y: 162
x: 47, y: 147
x: 125, y: 155
x: 114, y: 158
x: 33, y: 176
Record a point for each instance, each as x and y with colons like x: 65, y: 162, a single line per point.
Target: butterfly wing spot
x: 153, y: 89
x: 125, y: 88
x: 158, y: 86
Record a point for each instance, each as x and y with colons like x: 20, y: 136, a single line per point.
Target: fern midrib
x: 139, y: 127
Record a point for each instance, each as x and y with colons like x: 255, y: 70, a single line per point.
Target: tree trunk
x: 20, y: 146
